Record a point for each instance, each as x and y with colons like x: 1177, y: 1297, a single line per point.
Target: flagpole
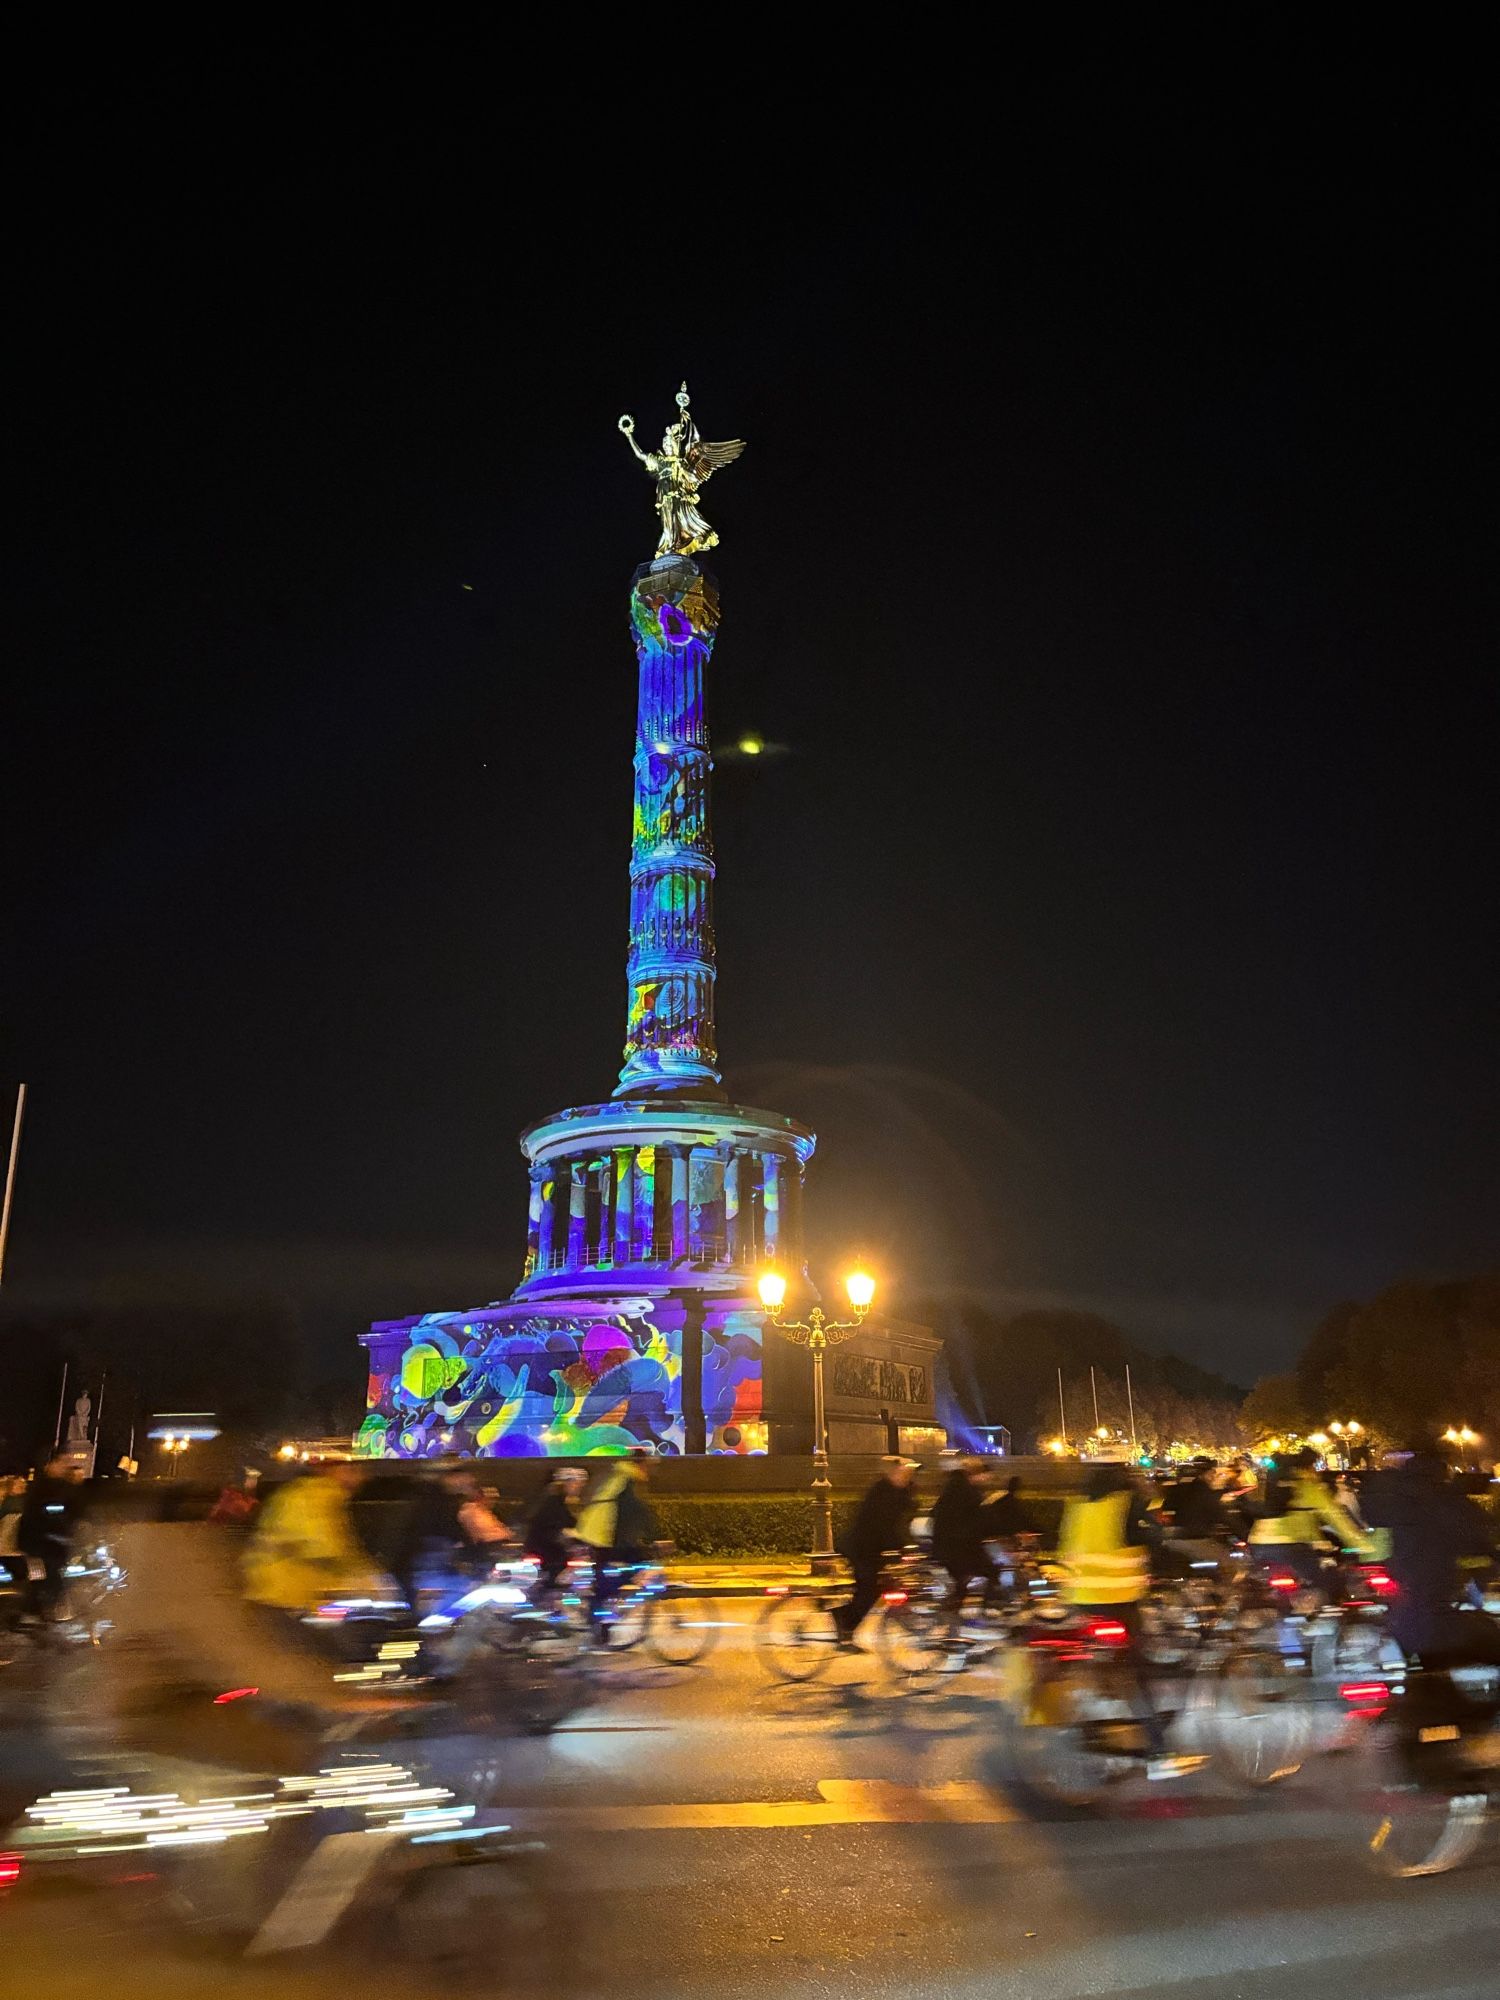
x: 1130, y: 1399
x: 1062, y: 1408
x: 98, y: 1425
x: 10, y: 1173
x: 62, y: 1397
x: 1095, y: 1387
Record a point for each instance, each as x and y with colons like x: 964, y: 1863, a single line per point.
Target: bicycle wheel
x: 918, y: 1641
x: 1261, y: 1718
x: 626, y: 1616
x: 681, y: 1631
x: 1175, y: 1620
x: 795, y: 1637
x: 1420, y: 1802
x: 1363, y: 1650
x: 1052, y: 1733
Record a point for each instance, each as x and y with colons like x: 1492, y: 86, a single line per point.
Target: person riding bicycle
x: 883, y: 1523
x: 303, y: 1549
x: 552, y: 1526
x: 1105, y: 1543
x: 617, y: 1525
x: 48, y: 1525
x: 1297, y: 1519
x: 1006, y: 1515
x: 1199, y: 1526
x: 959, y: 1528
x: 1436, y: 1540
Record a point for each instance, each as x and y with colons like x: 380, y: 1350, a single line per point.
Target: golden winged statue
x: 684, y: 463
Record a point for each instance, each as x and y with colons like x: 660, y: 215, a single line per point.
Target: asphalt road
x: 703, y: 1833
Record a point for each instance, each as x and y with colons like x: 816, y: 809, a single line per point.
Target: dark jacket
x: 883, y: 1521
x: 958, y: 1524
x: 49, y: 1518
x: 1007, y: 1516
x: 1197, y: 1510
x: 550, y: 1521
x: 1432, y: 1530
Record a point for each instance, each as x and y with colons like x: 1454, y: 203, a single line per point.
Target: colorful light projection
x: 669, y: 1030
x: 581, y: 1384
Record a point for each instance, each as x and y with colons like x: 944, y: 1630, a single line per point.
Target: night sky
x: 1112, y: 554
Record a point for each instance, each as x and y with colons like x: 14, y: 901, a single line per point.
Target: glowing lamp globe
x: 772, y: 1289
x: 861, y: 1289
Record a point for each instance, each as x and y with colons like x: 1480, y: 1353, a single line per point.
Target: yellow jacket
x: 615, y: 1513
x: 1103, y: 1568
x: 1310, y: 1509
x: 303, y: 1550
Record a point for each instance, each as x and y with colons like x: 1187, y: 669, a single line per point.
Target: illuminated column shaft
x: 670, y: 1043
x: 534, y: 1220
x: 546, y: 1220
x: 624, y: 1211
x: 577, y: 1213
x: 734, y: 1219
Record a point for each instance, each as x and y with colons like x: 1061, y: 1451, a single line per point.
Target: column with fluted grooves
x: 670, y: 1042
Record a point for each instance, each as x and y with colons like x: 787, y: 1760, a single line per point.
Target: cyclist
x: 1298, y: 1517
x: 1106, y: 1542
x: 882, y: 1523
x: 47, y: 1526
x: 552, y: 1527
x: 1436, y: 1539
x: 1200, y: 1527
x: 303, y: 1550
x: 617, y: 1524
x: 1006, y: 1516
x: 959, y: 1527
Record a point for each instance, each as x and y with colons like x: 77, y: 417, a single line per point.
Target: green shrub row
x: 713, y: 1524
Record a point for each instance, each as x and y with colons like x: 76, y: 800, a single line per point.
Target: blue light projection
x: 669, y: 1035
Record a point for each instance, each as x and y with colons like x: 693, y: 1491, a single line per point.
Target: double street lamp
x: 818, y: 1334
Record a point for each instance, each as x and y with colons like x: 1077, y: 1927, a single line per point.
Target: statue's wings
x: 706, y: 458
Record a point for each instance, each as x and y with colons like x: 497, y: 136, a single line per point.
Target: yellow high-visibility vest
x: 1103, y: 1568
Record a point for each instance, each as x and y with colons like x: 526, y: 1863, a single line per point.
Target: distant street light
x: 174, y: 1447
x: 817, y: 1334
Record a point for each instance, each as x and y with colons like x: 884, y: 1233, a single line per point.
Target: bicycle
x: 797, y: 1632
x: 1287, y: 1646
x: 1072, y: 1715
x: 646, y: 1610
x: 1427, y: 1779
x: 924, y: 1637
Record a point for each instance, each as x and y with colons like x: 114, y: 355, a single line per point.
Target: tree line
x: 1419, y: 1357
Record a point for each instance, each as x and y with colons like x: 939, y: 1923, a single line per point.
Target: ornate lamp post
x: 818, y: 1334
x: 1464, y: 1438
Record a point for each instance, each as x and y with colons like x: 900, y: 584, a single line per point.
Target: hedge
x: 713, y: 1524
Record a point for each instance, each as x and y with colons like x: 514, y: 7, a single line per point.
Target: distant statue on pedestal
x: 680, y: 468
x: 78, y: 1423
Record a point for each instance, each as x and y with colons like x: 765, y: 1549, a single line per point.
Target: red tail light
x: 893, y: 1597
x: 233, y: 1694
x: 1366, y: 1697
x: 1281, y: 1581
x: 1380, y: 1581
x: 1108, y: 1632
x: 777, y: 1590
x: 10, y: 1869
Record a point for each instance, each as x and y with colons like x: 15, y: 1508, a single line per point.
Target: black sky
x: 1113, y: 551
